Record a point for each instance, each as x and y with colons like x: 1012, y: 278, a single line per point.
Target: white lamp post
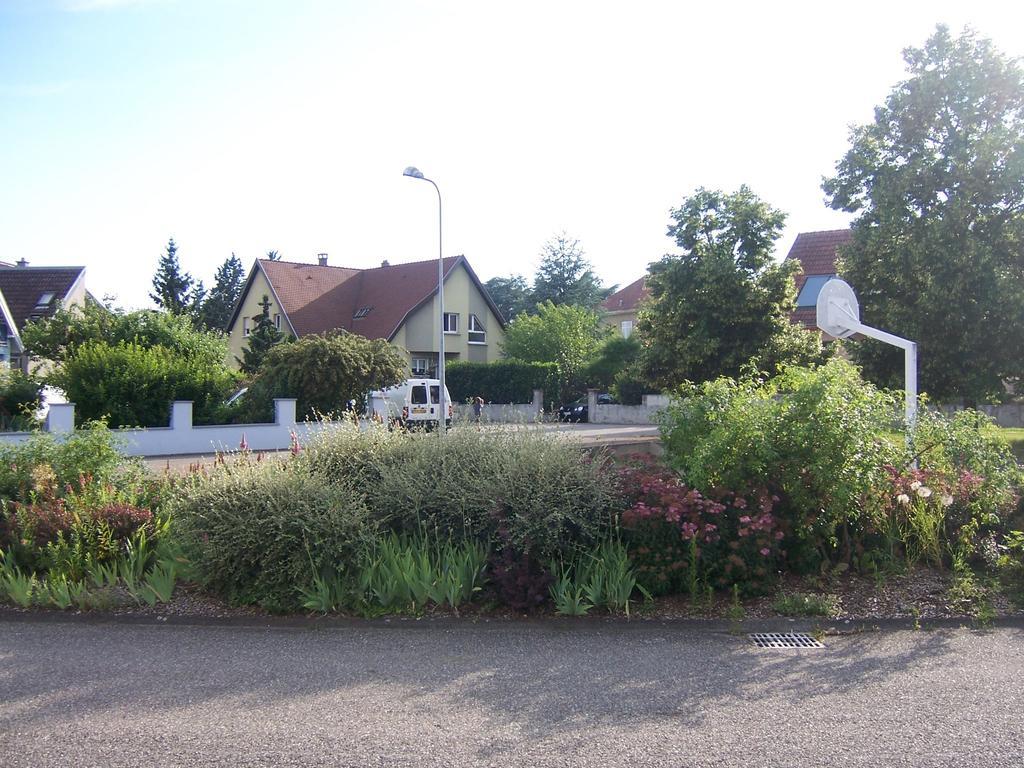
x: 416, y: 173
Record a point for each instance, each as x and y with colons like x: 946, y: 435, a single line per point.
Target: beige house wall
x: 615, y: 319
x: 420, y: 331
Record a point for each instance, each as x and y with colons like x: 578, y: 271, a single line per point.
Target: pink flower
x: 745, y: 519
x: 765, y: 551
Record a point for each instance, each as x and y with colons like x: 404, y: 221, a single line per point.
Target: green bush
x: 132, y: 385
x: 20, y: 397
x: 829, y: 446
x: 615, y: 355
x: 260, y: 533
x: 629, y: 386
x: 819, y: 438
x: 503, y: 381
x: 509, y: 487
x: 323, y: 372
x: 45, y: 460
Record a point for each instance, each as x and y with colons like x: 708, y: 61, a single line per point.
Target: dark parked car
x: 579, y: 410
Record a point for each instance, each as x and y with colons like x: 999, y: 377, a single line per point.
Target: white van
x: 411, y: 403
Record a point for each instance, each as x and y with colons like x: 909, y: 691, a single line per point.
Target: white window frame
x: 476, y: 327
x: 246, y: 329
x: 277, y: 322
x: 626, y: 328
x: 451, y: 323
x: 425, y: 368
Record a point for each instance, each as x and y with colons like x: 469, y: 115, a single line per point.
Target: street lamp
x: 416, y: 173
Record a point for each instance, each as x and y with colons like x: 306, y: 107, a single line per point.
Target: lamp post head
x: 414, y: 172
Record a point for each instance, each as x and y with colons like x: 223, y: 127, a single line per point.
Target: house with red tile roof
x: 619, y: 309
x: 395, y: 302
x: 30, y: 293
x: 816, y: 254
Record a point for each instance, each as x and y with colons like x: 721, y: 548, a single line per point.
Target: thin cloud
x: 86, y: 6
x: 37, y: 89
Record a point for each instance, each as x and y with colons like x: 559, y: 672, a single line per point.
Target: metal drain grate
x: 784, y: 640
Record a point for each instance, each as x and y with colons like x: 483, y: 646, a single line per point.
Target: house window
x: 626, y: 326
x: 477, y: 333
x: 420, y: 365
x: 361, y: 312
x: 277, y: 322
x: 451, y: 322
x: 44, y: 302
x: 812, y: 287
x: 246, y: 329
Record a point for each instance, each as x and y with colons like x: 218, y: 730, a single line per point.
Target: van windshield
x: 419, y: 395
x: 435, y: 394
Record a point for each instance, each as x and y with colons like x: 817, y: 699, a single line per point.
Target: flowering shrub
x: 678, y: 536
x: 934, y: 515
x: 88, y: 515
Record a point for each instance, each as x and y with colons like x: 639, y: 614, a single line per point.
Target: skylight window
x: 809, y: 293
x: 44, y: 301
x: 362, y: 312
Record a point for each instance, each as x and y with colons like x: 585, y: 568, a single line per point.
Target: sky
x: 242, y: 126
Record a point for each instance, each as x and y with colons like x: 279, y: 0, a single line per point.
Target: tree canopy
x: 220, y: 301
x: 937, y: 183
x: 565, y: 276
x: 58, y: 337
x: 511, y: 295
x: 566, y: 335
x: 174, y: 290
x: 723, y: 300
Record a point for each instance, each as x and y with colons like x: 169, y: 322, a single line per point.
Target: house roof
x: 816, y: 253
x: 628, y: 298
x: 22, y: 288
x: 318, y: 298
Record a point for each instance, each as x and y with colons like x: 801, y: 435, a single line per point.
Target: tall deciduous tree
x: 723, y: 301
x: 564, y: 334
x: 173, y: 290
x: 937, y: 181
x: 220, y: 302
x: 263, y: 337
x: 511, y: 294
x: 565, y: 276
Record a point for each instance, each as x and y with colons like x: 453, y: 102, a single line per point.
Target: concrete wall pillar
x: 538, y: 402
x: 592, y: 406
x: 284, y: 411
x: 60, y: 419
x: 181, y: 415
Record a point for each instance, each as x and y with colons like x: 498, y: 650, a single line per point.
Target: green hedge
x: 504, y: 381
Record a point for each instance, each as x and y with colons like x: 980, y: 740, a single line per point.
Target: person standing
x: 478, y: 407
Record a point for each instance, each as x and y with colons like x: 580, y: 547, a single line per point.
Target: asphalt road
x: 503, y: 694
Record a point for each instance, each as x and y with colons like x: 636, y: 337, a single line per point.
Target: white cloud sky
x: 237, y: 126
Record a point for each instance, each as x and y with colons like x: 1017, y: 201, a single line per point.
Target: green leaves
x: 723, y: 301
x: 566, y: 335
x: 324, y: 372
x: 938, y: 182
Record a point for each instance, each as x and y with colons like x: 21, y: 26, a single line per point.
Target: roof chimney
x: 385, y: 263
x: 22, y: 262
x: 322, y: 259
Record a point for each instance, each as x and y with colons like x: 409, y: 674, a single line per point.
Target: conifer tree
x: 264, y: 336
